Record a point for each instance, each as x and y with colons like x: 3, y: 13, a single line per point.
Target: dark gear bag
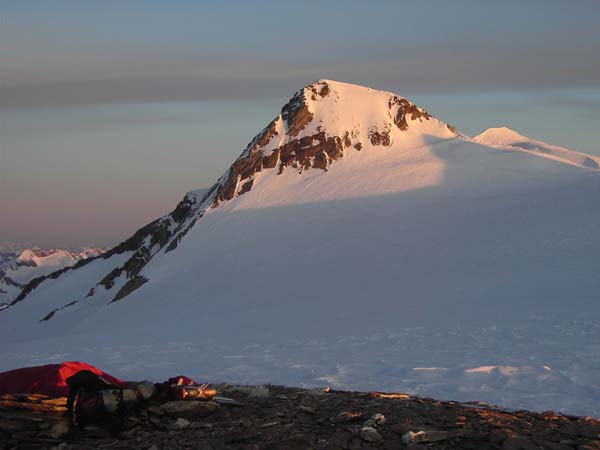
x: 93, y: 399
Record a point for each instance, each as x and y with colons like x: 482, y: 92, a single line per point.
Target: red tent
x: 48, y: 380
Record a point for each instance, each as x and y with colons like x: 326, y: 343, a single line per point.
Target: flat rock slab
x: 190, y: 409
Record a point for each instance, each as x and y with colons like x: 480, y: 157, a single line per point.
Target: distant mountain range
x: 19, y: 265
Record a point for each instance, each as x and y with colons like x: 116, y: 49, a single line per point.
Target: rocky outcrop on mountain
x: 280, y: 418
x: 296, y: 113
x: 404, y: 111
x: 149, y: 240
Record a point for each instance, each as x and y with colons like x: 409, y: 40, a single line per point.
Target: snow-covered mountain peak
x: 499, y: 135
x: 325, y: 121
x: 332, y: 143
x: 339, y: 108
x: 27, y: 255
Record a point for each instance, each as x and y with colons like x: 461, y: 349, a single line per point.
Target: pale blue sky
x: 111, y: 110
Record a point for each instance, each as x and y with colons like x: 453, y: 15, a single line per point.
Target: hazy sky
x: 111, y: 110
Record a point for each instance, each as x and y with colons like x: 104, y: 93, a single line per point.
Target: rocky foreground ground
x: 281, y: 418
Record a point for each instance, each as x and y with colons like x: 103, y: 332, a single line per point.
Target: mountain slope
x: 356, y: 240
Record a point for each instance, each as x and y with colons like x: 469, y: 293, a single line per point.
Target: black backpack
x: 93, y: 399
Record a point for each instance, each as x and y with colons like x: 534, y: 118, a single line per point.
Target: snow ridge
x: 504, y: 137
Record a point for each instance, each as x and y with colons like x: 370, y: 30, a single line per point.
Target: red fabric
x: 181, y: 380
x: 48, y: 380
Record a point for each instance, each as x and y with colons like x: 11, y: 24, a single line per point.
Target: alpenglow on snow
x: 357, y: 241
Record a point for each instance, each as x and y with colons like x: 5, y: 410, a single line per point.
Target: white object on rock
x: 379, y: 419
x: 182, y: 423
x: 411, y: 437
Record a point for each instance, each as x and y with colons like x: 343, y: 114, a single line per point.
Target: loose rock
x: 348, y: 416
x: 189, y: 409
x: 182, y: 423
x: 370, y: 434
